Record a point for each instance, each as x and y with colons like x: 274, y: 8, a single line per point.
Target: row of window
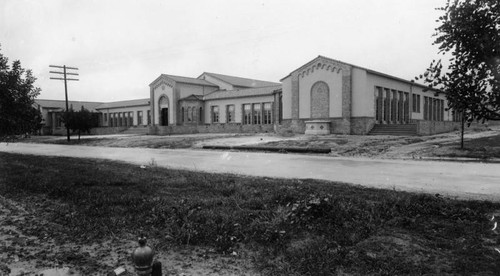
x: 118, y: 119
x: 191, y: 114
x: 433, y: 109
x: 253, y: 114
x: 392, y: 106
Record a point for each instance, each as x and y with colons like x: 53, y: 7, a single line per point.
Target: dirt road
x: 464, y: 180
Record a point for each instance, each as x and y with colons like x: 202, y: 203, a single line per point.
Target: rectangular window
x: 267, y: 118
x: 414, y: 103
x: 58, y: 120
x: 247, y: 113
x: 149, y: 117
x: 257, y: 116
x: 131, y: 118
x: 139, y: 118
x: 105, y: 117
x: 230, y: 113
x: 426, y: 108
x: 215, y: 114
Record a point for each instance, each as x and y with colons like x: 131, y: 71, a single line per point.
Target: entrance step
x: 395, y: 129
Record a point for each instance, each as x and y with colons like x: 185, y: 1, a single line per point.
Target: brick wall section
x: 215, y: 128
x: 291, y: 126
x: 362, y: 125
x: 320, y: 100
x: 107, y: 130
x: 295, y: 95
x: 431, y: 127
x: 346, y: 100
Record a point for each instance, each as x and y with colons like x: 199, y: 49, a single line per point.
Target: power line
x: 65, y: 78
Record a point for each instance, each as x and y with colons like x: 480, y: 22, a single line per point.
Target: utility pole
x: 64, y: 67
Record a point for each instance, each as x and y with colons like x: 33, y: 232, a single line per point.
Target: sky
x: 120, y: 47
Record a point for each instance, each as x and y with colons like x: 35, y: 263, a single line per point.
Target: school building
x: 323, y: 96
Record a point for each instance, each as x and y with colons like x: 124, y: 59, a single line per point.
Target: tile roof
x: 243, y: 82
x: 249, y: 92
x: 60, y: 104
x: 128, y: 103
x: 193, y: 97
x: 189, y: 80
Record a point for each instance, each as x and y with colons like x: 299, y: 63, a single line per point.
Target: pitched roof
x: 193, y: 97
x: 242, y: 82
x: 249, y: 92
x: 189, y: 80
x: 129, y: 103
x: 60, y: 104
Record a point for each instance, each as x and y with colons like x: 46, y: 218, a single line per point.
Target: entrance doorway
x: 164, y: 116
x: 163, y: 105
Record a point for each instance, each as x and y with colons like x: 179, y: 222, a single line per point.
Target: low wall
x: 432, y: 127
x: 106, y: 130
x: 291, y: 126
x: 215, y: 128
x: 362, y: 125
x: 356, y: 125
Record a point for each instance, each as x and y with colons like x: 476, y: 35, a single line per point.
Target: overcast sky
x: 120, y: 47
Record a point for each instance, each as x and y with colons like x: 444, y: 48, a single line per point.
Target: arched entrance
x: 163, y: 105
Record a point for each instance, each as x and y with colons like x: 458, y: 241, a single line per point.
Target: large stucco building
x: 322, y: 96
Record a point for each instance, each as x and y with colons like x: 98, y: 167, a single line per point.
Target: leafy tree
x: 469, y: 31
x: 18, y: 116
x: 80, y: 121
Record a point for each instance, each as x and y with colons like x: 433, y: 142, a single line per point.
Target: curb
x: 459, y: 159
x: 272, y: 149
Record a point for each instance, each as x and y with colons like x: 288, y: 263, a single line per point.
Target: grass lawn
x: 482, y: 148
x: 295, y: 227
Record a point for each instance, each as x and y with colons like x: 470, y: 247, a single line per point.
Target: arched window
x: 320, y: 100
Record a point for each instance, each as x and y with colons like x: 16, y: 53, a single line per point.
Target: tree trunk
x: 462, y: 131
x: 78, y: 136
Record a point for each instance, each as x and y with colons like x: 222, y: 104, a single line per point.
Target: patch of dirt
x: 25, y: 254
x: 390, y: 147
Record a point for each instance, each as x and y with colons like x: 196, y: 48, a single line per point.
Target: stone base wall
x: 215, y: 128
x: 362, y: 125
x: 358, y: 126
x: 340, y: 126
x: 291, y: 126
x: 107, y: 130
x: 432, y: 127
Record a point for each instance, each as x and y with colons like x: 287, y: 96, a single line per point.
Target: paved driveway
x: 465, y: 180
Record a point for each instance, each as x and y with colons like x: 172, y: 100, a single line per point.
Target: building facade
x: 322, y: 96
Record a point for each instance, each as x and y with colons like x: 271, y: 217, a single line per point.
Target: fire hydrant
x: 143, y: 260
